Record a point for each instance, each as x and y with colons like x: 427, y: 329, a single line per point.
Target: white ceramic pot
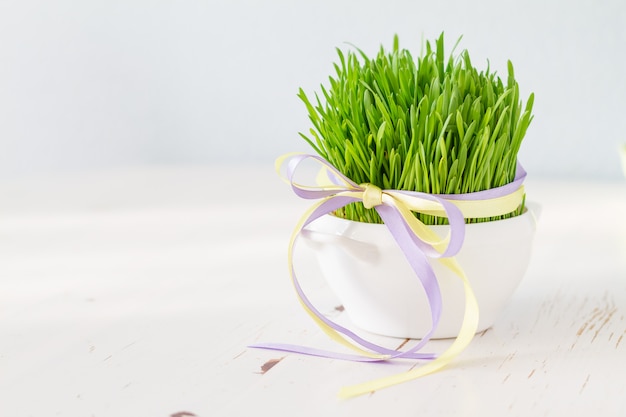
x: 381, y: 294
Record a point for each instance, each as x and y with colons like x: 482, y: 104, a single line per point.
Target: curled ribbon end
x: 372, y: 195
x: 347, y: 393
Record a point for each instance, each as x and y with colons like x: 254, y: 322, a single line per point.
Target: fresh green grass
x: 432, y: 125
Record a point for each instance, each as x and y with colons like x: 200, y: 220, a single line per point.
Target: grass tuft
x: 433, y: 125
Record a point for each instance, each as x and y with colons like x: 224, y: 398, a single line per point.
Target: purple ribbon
x: 415, y: 250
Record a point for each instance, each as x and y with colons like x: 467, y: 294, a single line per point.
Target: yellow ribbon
x: 372, y: 196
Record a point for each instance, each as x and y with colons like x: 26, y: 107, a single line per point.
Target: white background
x: 99, y: 85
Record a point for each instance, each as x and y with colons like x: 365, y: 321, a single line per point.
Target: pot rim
x: 331, y: 225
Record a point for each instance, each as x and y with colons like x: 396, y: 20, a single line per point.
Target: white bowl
x: 381, y: 294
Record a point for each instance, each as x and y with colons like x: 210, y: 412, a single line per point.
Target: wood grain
x: 138, y: 294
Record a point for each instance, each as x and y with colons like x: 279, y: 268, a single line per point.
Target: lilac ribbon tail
x: 407, y: 242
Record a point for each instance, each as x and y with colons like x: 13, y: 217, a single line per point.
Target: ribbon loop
x: 372, y: 195
x: 416, y: 240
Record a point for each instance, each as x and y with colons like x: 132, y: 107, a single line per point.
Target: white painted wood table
x: 136, y: 293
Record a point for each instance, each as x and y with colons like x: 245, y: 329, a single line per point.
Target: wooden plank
x: 136, y: 304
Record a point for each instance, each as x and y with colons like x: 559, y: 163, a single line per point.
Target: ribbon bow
x: 417, y: 241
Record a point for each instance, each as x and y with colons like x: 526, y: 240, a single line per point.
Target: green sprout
x: 433, y: 126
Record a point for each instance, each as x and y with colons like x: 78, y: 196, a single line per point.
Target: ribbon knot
x: 372, y: 195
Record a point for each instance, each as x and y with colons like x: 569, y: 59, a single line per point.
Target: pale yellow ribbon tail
x: 465, y: 336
